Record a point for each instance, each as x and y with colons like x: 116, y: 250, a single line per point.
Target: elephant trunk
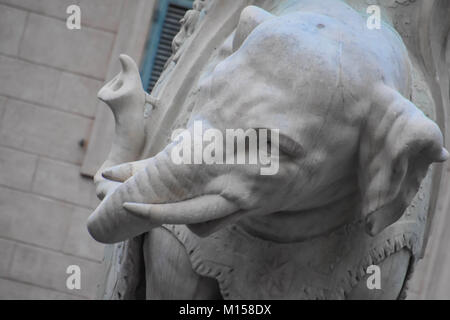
x: 160, y: 193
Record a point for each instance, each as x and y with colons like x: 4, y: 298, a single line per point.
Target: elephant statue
x: 332, y: 97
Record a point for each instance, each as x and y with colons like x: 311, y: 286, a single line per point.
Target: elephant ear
x: 251, y: 17
x: 398, y: 143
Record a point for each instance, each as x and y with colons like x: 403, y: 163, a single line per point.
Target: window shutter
x: 164, y: 29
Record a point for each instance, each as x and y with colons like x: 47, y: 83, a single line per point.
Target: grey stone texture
x: 12, y: 24
x: 160, y: 200
x: 10, y: 160
x: 48, y: 41
x: 100, y: 14
x: 44, y: 131
x: 49, y: 78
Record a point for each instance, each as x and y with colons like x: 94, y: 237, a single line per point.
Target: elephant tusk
x: 196, y: 210
x: 123, y: 172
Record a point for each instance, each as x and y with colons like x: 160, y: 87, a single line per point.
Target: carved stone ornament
x: 354, y: 111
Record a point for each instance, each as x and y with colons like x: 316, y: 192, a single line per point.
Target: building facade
x: 49, y: 78
x: 54, y: 134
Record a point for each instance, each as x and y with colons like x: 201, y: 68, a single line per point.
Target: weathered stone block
x: 33, y: 219
x: 2, y: 106
x: 44, y: 131
x: 13, y: 290
x: 104, y: 14
x: 63, y: 181
x: 78, y: 241
x: 6, y: 252
x: 16, y: 168
x: 48, y: 41
x: 77, y: 94
x: 28, y: 81
x: 44, y: 85
x: 12, y: 23
x: 47, y: 269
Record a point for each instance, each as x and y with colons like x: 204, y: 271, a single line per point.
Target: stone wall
x: 49, y: 76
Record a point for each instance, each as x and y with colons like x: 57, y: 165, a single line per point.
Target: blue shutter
x: 159, y: 48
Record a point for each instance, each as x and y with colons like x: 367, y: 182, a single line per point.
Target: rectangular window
x: 159, y: 49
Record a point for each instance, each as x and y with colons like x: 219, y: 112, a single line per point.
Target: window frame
x: 155, y: 36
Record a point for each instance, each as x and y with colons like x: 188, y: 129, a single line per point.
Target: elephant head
x: 331, y: 97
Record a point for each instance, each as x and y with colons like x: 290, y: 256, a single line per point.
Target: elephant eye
x: 290, y: 147
x: 284, y: 143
